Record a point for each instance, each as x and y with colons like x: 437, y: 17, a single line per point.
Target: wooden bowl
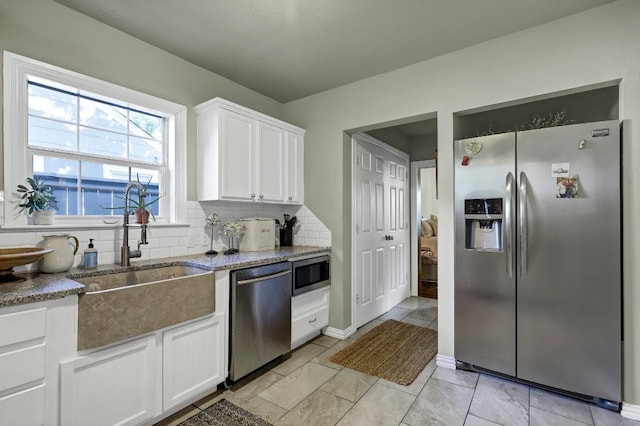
x: 16, y: 256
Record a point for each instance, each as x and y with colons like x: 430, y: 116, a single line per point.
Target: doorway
x: 381, y: 237
x: 426, y: 211
x: 417, y: 138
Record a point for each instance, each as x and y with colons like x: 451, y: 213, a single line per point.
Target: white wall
x: 428, y: 192
x: 52, y: 33
x: 586, y: 49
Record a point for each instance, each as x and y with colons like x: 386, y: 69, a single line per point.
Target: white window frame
x: 17, y: 69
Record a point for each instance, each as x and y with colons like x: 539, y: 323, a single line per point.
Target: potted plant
x: 38, y: 200
x: 139, y: 206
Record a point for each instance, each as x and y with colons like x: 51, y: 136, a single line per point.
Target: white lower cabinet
x: 192, y: 360
x: 115, y: 386
x: 309, y: 315
x: 23, y: 408
x: 145, y: 379
x: 32, y: 337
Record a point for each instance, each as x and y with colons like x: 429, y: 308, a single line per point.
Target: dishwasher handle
x: 264, y: 278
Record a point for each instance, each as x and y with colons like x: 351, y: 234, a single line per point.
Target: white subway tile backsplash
x: 17, y: 239
x: 160, y: 252
x: 178, y: 251
x: 170, y: 241
x: 190, y: 239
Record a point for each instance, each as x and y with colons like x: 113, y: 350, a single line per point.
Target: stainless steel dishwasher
x: 260, y: 317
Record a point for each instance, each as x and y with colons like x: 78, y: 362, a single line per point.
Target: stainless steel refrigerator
x: 538, y: 258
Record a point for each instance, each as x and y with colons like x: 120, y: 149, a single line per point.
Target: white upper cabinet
x: 247, y: 156
x: 237, y: 133
x: 295, y: 172
x: 271, y: 163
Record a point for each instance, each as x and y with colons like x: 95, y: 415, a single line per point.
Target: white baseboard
x: 446, y: 361
x: 339, y: 334
x: 630, y: 411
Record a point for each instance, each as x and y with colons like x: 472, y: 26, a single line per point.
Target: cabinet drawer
x: 309, y: 302
x: 22, y: 366
x: 22, y: 326
x: 309, y: 323
x: 23, y: 408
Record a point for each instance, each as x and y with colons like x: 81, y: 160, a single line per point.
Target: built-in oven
x: 310, y: 273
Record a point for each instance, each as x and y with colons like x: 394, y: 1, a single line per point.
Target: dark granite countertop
x: 36, y: 287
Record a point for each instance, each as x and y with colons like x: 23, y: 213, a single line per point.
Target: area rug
x: 224, y: 413
x: 395, y: 351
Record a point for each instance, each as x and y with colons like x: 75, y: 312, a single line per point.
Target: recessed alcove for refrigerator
x: 584, y: 106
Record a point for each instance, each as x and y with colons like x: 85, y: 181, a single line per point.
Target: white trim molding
x: 445, y: 361
x: 415, y: 227
x: 630, y: 411
x: 18, y: 69
x: 339, y: 334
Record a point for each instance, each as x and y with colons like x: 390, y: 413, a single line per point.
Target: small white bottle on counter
x: 90, y: 258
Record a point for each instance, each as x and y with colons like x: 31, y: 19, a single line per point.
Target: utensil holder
x: 286, y: 237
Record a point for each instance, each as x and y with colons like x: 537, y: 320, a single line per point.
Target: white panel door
x: 398, y: 231
x: 114, y: 386
x: 271, y: 163
x: 193, y: 360
x: 381, y: 229
x: 237, y: 156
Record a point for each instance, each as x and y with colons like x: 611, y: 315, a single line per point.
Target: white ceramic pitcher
x: 62, y: 256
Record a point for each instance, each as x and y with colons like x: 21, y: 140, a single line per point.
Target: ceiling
x: 289, y: 49
x: 418, y: 128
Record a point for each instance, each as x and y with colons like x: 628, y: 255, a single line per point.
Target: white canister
x: 63, y: 254
x: 259, y: 235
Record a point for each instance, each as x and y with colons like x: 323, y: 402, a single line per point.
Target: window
x: 88, y: 148
x: 88, y: 138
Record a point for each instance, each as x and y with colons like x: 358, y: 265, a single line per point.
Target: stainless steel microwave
x: 310, y: 273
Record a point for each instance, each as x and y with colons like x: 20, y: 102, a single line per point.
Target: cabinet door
x: 294, y: 168
x: 25, y: 407
x: 237, y: 156
x: 271, y: 163
x: 193, y: 360
x: 309, y: 315
x: 110, y: 387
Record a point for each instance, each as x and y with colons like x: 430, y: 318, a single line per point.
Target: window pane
x: 145, y: 125
x: 103, y: 188
x: 62, y: 175
x: 64, y: 119
x: 100, y: 114
x: 52, y: 103
x: 147, y: 150
x: 52, y: 134
x: 101, y: 142
x: 149, y: 179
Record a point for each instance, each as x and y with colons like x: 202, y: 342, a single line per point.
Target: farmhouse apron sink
x: 122, y: 305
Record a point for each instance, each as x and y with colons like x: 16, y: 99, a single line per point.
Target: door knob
x: 253, y: 195
x: 261, y: 196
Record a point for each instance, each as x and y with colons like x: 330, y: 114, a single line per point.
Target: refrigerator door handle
x: 523, y: 225
x: 508, y: 225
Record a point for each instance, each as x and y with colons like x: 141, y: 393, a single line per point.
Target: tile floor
x: 308, y: 389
